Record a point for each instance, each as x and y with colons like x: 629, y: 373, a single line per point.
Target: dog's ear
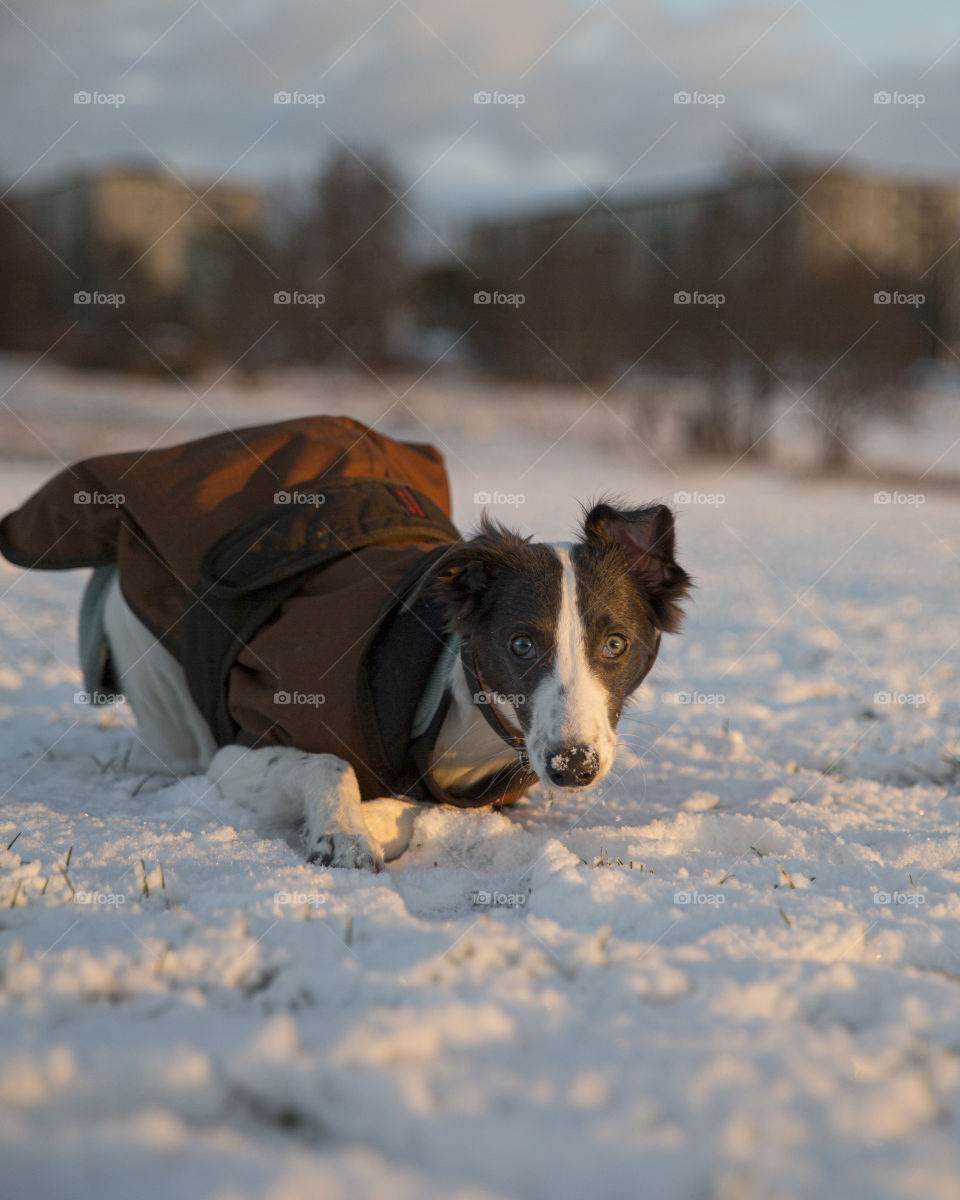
x: 465, y: 577
x: 646, y: 537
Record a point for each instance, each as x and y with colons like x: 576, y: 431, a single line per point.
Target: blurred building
x: 800, y: 263
x: 895, y: 225
x: 805, y: 214
x: 105, y: 224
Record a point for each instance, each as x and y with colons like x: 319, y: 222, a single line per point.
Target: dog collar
x: 503, y: 787
x: 485, y: 700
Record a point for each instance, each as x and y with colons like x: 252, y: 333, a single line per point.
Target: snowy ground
x: 735, y: 970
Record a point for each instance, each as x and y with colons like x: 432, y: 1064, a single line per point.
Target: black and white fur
x: 562, y: 635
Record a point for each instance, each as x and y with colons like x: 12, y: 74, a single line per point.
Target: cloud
x: 597, y: 80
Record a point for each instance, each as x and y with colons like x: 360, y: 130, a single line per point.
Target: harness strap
x: 485, y: 700
x: 505, y: 785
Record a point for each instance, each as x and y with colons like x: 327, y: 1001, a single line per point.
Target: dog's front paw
x: 346, y: 850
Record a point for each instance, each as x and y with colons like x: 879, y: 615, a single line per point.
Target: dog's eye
x: 522, y: 646
x: 614, y: 646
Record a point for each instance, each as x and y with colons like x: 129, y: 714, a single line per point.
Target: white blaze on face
x: 570, y: 705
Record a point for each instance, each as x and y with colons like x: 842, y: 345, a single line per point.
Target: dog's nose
x: 573, y: 766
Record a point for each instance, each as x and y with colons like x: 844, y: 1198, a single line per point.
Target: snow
x: 731, y: 972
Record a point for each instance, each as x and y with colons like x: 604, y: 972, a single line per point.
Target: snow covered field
x: 730, y: 973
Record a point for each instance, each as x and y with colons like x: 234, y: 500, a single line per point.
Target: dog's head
x: 566, y: 633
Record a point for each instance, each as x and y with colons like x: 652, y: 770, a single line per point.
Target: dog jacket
x: 281, y: 566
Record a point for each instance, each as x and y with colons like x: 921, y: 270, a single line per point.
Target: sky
x: 583, y: 93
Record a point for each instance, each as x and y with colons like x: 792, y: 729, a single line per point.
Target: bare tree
x: 236, y: 303
x: 31, y: 292
x: 351, y: 249
x: 860, y: 350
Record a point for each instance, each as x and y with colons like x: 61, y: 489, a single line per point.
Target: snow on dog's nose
x: 572, y: 766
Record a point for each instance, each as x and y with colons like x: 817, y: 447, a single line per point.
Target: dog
x: 527, y: 651
x: 562, y: 636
